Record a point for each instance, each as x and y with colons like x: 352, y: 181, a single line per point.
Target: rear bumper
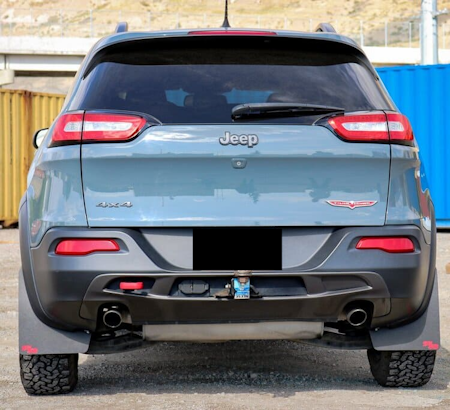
x: 68, y: 291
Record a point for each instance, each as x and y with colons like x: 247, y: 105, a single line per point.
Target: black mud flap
x: 422, y: 334
x: 36, y: 337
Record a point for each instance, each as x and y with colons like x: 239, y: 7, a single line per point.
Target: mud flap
x: 36, y: 337
x: 422, y: 334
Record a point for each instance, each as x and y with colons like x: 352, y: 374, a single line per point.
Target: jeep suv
x: 182, y: 155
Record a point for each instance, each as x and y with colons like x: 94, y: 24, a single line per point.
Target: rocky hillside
x: 357, y: 18
x: 359, y: 9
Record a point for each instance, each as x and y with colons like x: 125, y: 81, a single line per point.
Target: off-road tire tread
x: 402, y: 369
x: 49, y: 373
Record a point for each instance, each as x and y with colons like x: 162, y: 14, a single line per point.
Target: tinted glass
x: 187, y: 87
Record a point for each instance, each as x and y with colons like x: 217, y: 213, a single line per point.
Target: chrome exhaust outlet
x: 112, y: 318
x: 357, y: 317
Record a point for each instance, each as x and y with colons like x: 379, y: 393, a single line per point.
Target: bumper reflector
x: 77, y: 247
x: 131, y: 285
x: 387, y: 244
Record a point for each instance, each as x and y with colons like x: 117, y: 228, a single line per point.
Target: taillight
x: 68, y: 129
x: 399, y: 127
x: 387, y: 244
x: 96, y: 127
x: 231, y: 33
x: 373, y: 127
x: 111, y: 127
x: 77, y: 247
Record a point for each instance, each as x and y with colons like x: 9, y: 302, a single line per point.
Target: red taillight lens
x: 77, y: 247
x: 361, y: 127
x: 387, y: 244
x: 399, y: 127
x: 92, y: 127
x: 376, y: 126
x: 68, y: 129
x: 231, y: 33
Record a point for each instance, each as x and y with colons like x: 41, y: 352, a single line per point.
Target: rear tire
x: 402, y: 369
x: 49, y: 373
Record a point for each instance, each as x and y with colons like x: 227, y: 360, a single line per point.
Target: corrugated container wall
x: 21, y: 114
x: 422, y: 93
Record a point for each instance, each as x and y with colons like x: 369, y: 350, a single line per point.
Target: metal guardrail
x: 98, y: 23
x: 21, y: 114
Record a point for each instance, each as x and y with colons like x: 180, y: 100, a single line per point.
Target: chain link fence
x: 99, y: 23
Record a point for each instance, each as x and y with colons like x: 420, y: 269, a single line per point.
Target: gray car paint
x: 55, y: 194
x: 409, y: 196
x: 180, y: 175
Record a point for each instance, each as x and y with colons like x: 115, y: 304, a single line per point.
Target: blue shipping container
x: 421, y: 92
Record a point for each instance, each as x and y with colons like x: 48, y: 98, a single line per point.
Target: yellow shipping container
x: 22, y: 113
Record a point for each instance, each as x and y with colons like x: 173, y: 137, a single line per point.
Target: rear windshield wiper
x: 277, y: 110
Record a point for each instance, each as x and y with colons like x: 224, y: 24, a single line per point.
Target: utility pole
x: 428, y: 32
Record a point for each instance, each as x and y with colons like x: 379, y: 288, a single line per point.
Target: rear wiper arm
x: 277, y: 110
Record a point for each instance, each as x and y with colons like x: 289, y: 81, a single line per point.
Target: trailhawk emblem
x: 352, y: 204
x: 250, y: 140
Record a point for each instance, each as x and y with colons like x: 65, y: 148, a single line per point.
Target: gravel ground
x: 234, y: 375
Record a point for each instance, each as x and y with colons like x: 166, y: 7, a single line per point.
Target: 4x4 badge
x: 114, y: 205
x: 352, y: 204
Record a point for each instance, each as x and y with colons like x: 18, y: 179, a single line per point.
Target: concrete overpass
x: 56, y: 56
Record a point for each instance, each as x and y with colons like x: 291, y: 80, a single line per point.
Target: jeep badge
x: 250, y: 140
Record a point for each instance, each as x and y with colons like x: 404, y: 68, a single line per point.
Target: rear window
x: 201, y: 82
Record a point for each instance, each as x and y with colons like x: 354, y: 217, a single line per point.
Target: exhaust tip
x: 357, y: 317
x: 112, y: 319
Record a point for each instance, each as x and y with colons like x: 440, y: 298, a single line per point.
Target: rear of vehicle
x: 182, y: 156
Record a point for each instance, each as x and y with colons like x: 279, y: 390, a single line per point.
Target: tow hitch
x: 239, y: 288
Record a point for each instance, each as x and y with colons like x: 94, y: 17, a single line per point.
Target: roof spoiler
x: 320, y: 28
x: 121, y: 27
x: 325, y: 28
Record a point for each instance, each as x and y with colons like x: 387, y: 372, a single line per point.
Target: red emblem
x: 351, y: 204
x: 29, y: 349
x: 430, y: 344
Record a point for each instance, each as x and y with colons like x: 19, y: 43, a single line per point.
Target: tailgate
x: 181, y: 175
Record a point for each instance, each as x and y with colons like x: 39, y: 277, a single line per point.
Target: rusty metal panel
x: 21, y: 114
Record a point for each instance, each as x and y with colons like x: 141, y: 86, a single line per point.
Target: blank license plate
x: 237, y: 248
